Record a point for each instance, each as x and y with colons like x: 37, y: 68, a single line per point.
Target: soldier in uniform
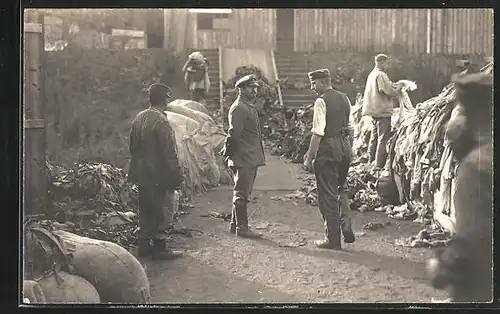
x: 244, y: 152
x: 329, y: 154
x: 154, y: 167
x: 465, y: 265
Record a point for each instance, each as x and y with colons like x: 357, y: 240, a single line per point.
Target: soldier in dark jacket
x: 244, y: 152
x: 330, y: 148
x: 154, y: 167
x: 465, y: 265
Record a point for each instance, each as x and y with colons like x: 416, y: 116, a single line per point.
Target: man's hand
x: 308, y: 163
x: 398, y: 86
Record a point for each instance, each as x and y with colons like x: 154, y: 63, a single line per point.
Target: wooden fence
x: 414, y: 31
x: 34, y: 183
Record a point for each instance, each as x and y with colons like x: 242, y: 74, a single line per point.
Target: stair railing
x: 276, y: 76
x: 221, y: 83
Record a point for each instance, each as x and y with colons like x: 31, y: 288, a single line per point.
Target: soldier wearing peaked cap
x: 244, y: 152
x: 329, y: 155
x: 155, y: 168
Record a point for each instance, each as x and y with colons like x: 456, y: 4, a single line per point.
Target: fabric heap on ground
x: 198, y: 139
x: 420, y: 159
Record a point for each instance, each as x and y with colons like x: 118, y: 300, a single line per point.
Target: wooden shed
x: 446, y: 31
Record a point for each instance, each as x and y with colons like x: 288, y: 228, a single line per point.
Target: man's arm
x: 186, y: 65
x: 318, y: 129
x: 385, y: 85
x: 169, y: 148
x: 351, y: 122
x: 236, y: 118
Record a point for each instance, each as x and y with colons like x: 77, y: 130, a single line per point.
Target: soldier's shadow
x: 377, y: 262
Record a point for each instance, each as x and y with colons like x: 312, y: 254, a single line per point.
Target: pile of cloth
x: 95, y: 200
x: 199, y: 138
x: 363, y: 124
x: 433, y: 236
x: 420, y: 159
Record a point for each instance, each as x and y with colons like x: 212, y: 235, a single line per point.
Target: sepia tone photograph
x: 257, y: 156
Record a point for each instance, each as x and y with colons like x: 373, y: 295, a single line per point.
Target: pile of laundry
x: 432, y: 236
x: 420, y: 159
x: 412, y: 210
x: 95, y: 200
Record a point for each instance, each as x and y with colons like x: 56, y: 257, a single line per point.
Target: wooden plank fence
x: 414, y: 31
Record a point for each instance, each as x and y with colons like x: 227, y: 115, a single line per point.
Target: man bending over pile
x: 154, y: 167
x: 244, y: 152
x: 196, y: 76
x: 329, y: 155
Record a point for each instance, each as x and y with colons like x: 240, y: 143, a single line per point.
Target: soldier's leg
x: 345, y: 209
x: 372, y: 144
x: 168, y: 209
x: 383, y: 134
x: 233, y: 209
x: 327, y: 175
x: 146, y: 232
x: 244, y: 180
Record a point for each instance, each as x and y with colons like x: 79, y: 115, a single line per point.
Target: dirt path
x: 219, y: 267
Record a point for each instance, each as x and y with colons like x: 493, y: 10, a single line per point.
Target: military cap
x: 319, y: 74
x: 381, y: 57
x: 159, y: 90
x: 247, y: 80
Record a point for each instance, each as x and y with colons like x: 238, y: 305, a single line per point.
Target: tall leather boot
x: 242, y: 229
x: 144, y: 247
x: 161, y: 252
x: 232, y: 224
x: 332, y: 239
x: 347, y: 230
x: 345, y: 219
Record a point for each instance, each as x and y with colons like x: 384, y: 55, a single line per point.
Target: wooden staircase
x: 293, y: 65
x: 212, y: 56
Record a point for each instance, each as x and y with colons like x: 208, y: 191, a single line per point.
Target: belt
x: 344, y: 132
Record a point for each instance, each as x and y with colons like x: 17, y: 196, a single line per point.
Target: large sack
x: 111, y: 269
x: 196, y: 155
x: 387, y: 189
x: 71, y: 289
x: 191, y: 104
x: 32, y: 292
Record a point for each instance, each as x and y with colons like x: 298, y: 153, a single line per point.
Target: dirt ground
x: 218, y: 267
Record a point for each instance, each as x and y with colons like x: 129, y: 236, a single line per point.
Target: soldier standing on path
x: 378, y: 104
x: 329, y: 154
x: 154, y: 167
x: 244, y: 152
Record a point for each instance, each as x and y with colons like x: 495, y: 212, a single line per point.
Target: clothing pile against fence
x: 420, y: 159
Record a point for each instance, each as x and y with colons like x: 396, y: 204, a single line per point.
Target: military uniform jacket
x: 244, y: 135
x: 153, y: 151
